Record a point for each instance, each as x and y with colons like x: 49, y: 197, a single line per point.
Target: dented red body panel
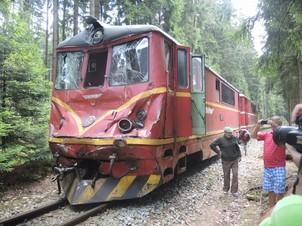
x: 108, y: 104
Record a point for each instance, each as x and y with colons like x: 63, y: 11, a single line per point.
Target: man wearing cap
x: 228, y: 149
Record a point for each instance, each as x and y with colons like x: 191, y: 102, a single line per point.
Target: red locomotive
x: 129, y: 105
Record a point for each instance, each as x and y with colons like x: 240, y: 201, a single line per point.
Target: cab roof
x: 110, y: 32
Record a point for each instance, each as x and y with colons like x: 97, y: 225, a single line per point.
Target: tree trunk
x: 26, y: 11
x: 75, y: 16
x: 290, y: 101
x: 94, y: 8
x: 3, y: 104
x: 101, y: 10
x: 55, y: 38
x: 299, y: 62
x: 288, y: 107
x: 46, y: 38
x: 64, y: 20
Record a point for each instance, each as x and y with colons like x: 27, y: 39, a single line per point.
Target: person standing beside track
x: 288, y: 210
x: 228, y: 149
x: 274, y: 161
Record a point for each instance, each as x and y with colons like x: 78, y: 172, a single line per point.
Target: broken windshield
x: 129, y: 63
x: 68, y: 73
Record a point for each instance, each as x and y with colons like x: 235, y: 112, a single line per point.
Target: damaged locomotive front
x: 108, y: 114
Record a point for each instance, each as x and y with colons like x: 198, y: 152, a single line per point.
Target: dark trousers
x: 227, y: 166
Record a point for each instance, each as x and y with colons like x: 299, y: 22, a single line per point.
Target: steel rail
x: 22, y: 217
x: 82, y: 217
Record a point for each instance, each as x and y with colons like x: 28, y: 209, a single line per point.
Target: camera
x: 263, y: 122
x: 290, y: 134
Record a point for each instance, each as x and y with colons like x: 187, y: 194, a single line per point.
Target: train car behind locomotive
x: 128, y: 107
x: 248, y: 112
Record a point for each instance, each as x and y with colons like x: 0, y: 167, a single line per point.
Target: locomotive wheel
x: 180, y: 166
x: 197, y: 157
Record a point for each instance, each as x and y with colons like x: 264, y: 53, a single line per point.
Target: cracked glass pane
x: 68, y: 72
x: 129, y: 63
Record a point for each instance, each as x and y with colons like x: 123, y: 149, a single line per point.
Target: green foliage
x: 270, y: 100
x: 24, y: 101
x: 19, y: 155
x: 4, y: 7
x: 281, y: 62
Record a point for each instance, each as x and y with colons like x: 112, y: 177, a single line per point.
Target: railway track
x: 51, y: 206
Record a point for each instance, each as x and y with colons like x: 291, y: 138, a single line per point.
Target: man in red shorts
x: 274, y: 174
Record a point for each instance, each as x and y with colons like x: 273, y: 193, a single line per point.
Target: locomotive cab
x: 118, y: 91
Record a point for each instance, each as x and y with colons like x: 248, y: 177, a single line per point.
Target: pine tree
x: 24, y: 111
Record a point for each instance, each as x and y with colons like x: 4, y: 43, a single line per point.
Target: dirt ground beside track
x: 225, y: 210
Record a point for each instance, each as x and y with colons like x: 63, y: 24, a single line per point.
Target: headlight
x: 141, y: 115
x: 125, y: 125
x: 97, y: 36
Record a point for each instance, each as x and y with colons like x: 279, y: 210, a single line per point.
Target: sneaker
x: 225, y: 192
x: 235, y: 194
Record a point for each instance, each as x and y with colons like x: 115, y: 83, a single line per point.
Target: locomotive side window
x: 227, y: 95
x: 217, y: 85
x: 217, y: 92
x: 96, y: 69
x: 130, y: 63
x: 168, y: 61
x: 196, y: 74
x: 182, y: 68
x: 68, y: 70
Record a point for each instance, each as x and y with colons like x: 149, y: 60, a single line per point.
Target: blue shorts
x: 274, y: 180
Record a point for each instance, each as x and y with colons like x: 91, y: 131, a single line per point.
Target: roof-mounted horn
x: 96, y: 29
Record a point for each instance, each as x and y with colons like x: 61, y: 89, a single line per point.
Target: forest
x: 30, y: 31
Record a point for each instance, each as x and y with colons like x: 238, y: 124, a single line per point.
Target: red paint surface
x: 219, y: 114
x: 248, y: 116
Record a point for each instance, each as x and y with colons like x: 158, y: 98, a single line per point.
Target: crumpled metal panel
x: 73, y: 116
x: 107, y: 189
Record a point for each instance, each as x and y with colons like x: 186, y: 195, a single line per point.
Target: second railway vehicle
x: 129, y: 105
